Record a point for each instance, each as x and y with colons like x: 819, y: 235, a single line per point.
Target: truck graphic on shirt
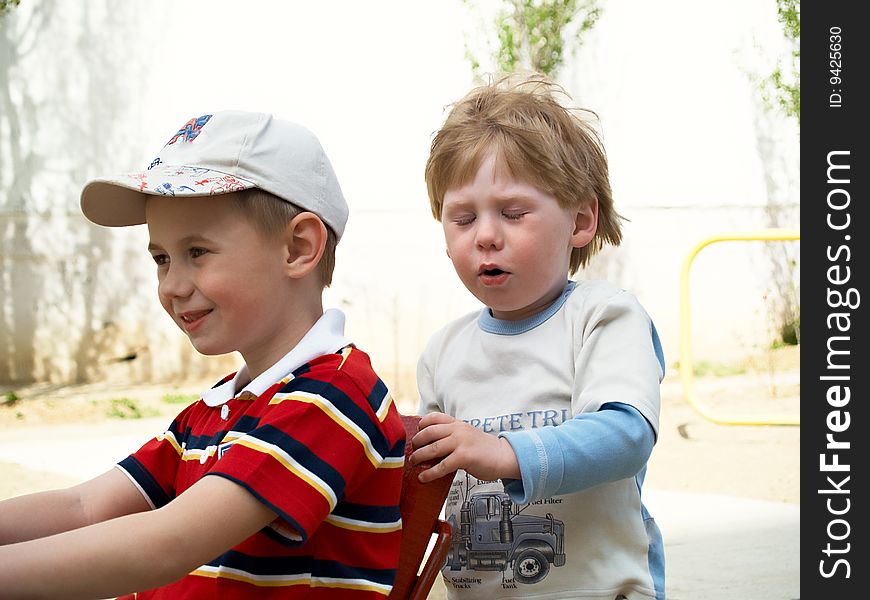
x: 492, y: 535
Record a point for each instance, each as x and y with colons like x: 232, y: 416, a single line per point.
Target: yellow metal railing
x: 687, y: 371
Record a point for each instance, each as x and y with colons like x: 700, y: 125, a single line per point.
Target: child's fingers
x: 437, y: 471
x: 434, y: 418
x: 431, y: 443
x: 434, y: 431
x: 455, y: 445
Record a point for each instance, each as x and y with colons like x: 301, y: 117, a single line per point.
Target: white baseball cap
x: 220, y: 153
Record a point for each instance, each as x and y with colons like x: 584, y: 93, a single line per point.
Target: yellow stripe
x: 352, y: 586
x: 384, y: 410
x: 296, y: 470
x: 323, y: 583
x: 251, y: 580
x: 344, y: 354
x: 358, y: 526
x: 169, y: 437
x: 393, y: 463
x: 320, y: 403
x: 196, y: 455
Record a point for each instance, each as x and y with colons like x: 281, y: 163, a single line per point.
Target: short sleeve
x: 320, y: 438
x: 616, y: 360
x: 153, y: 468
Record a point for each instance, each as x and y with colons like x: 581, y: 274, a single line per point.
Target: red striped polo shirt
x: 323, y: 447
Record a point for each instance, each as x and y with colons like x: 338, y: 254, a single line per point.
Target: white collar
x: 325, y: 336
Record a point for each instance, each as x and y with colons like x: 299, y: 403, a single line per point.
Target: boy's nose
x: 174, y: 284
x: 488, y: 233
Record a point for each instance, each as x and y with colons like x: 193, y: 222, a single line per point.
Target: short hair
x: 537, y: 139
x: 270, y: 215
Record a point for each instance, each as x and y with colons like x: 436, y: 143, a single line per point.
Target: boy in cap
x: 283, y: 480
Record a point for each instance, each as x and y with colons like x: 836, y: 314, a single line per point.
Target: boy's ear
x: 585, y: 223
x: 305, y: 239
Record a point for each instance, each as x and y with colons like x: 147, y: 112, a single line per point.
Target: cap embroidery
x: 140, y: 180
x: 167, y: 188
x: 190, y: 130
x: 222, y: 185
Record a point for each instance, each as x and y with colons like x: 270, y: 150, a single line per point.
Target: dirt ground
x: 692, y: 453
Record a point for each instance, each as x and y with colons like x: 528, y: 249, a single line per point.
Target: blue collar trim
x: 490, y: 324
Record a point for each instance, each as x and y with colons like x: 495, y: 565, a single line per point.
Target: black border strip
x: 834, y: 229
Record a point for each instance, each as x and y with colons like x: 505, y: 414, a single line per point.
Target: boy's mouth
x: 191, y: 319
x: 492, y: 275
x: 490, y: 271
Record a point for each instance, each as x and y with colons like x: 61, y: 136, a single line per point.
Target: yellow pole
x: 687, y: 371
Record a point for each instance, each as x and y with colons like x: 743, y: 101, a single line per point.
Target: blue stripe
x: 177, y: 432
x: 657, y: 346
x: 398, y: 450
x: 245, y: 424
x: 224, y: 380
x: 146, y: 481
x: 264, y: 565
x: 655, y: 555
x: 346, y: 406
x: 302, y: 454
x: 371, y: 514
x: 301, y: 370
x: 377, y: 395
x: 490, y: 324
x: 283, y: 540
x: 300, y: 565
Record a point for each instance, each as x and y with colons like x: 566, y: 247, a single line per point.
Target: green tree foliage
x: 783, y: 87
x: 538, y: 35
x: 534, y: 34
x: 780, y: 91
x: 7, y: 5
x: 786, y: 93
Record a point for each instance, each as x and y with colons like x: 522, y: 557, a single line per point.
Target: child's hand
x: 461, y: 446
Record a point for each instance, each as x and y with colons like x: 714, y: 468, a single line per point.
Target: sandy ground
x: 693, y: 454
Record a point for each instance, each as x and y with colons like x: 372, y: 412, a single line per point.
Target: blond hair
x: 270, y: 215
x: 537, y: 139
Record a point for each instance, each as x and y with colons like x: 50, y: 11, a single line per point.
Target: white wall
x: 669, y: 80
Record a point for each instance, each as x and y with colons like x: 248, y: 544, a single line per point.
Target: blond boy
x: 545, y: 402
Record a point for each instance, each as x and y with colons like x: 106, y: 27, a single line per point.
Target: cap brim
x: 120, y: 201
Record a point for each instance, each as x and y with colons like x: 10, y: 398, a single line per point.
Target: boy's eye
x: 463, y: 219
x: 160, y: 259
x: 197, y: 252
x: 513, y: 215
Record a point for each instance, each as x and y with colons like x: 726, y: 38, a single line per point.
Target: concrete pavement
x: 727, y: 548
x: 716, y: 547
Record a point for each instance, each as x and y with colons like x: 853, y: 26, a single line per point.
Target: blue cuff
x: 590, y: 449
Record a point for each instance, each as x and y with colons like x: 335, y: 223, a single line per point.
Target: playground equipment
x: 687, y: 371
